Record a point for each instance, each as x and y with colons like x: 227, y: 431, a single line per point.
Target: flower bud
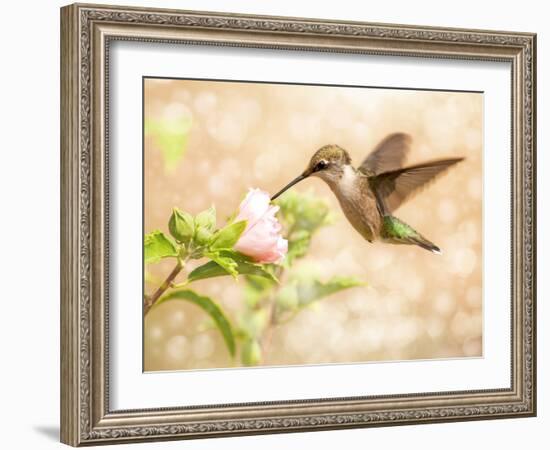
x: 181, y: 226
x: 251, y: 353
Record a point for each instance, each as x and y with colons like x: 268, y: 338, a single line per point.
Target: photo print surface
x: 290, y: 224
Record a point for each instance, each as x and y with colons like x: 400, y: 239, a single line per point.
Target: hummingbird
x: 370, y: 193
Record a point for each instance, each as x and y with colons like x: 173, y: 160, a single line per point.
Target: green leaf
x: 312, y: 290
x: 156, y: 246
x: 226, y: 262
x: 181, y: 226
x: 298, y: 245
x: 251, y: 353
x: 299, y: 211
x: 171, y: 136
x: 243, y: 266
x: 210, y: 307
x: 228, y: 236
x: 302, y: 215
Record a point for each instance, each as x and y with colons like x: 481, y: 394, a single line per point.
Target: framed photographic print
x: 276, y: 224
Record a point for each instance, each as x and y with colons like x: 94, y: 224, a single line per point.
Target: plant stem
x: 268, y: 333
x: 271, y: 321
x: 149, y: 301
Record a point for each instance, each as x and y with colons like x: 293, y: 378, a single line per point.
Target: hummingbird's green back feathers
x: 396, y: 231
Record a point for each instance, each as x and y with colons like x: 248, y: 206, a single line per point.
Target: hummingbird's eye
x: 321, y: 165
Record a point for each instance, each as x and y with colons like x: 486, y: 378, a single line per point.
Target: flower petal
x: 261, y: 239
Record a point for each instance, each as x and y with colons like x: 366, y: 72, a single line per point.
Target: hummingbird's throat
x: 347, y: 180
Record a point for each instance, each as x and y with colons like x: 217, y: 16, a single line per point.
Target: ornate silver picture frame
x: 87, y: 33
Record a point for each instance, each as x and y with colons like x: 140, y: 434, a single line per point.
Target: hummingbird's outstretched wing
x: 388, y: 155
x: 394, y: 187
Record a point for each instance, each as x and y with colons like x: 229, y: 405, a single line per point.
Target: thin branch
x: 149, y: 301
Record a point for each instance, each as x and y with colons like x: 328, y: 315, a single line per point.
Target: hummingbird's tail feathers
x: 427, y: 245
x: 395, y: 231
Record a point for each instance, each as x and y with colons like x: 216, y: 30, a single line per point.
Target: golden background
x: 417, y: 305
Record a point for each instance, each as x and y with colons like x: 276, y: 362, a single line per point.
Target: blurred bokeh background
x: 208, y: 142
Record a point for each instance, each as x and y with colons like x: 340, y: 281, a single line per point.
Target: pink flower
x: 261, y: 239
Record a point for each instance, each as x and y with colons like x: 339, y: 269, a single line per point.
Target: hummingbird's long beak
x: 289, y: 185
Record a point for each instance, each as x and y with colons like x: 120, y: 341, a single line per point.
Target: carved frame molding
x: 86, y: 33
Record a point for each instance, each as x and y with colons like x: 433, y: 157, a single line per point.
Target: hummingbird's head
x: 327, y: 163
